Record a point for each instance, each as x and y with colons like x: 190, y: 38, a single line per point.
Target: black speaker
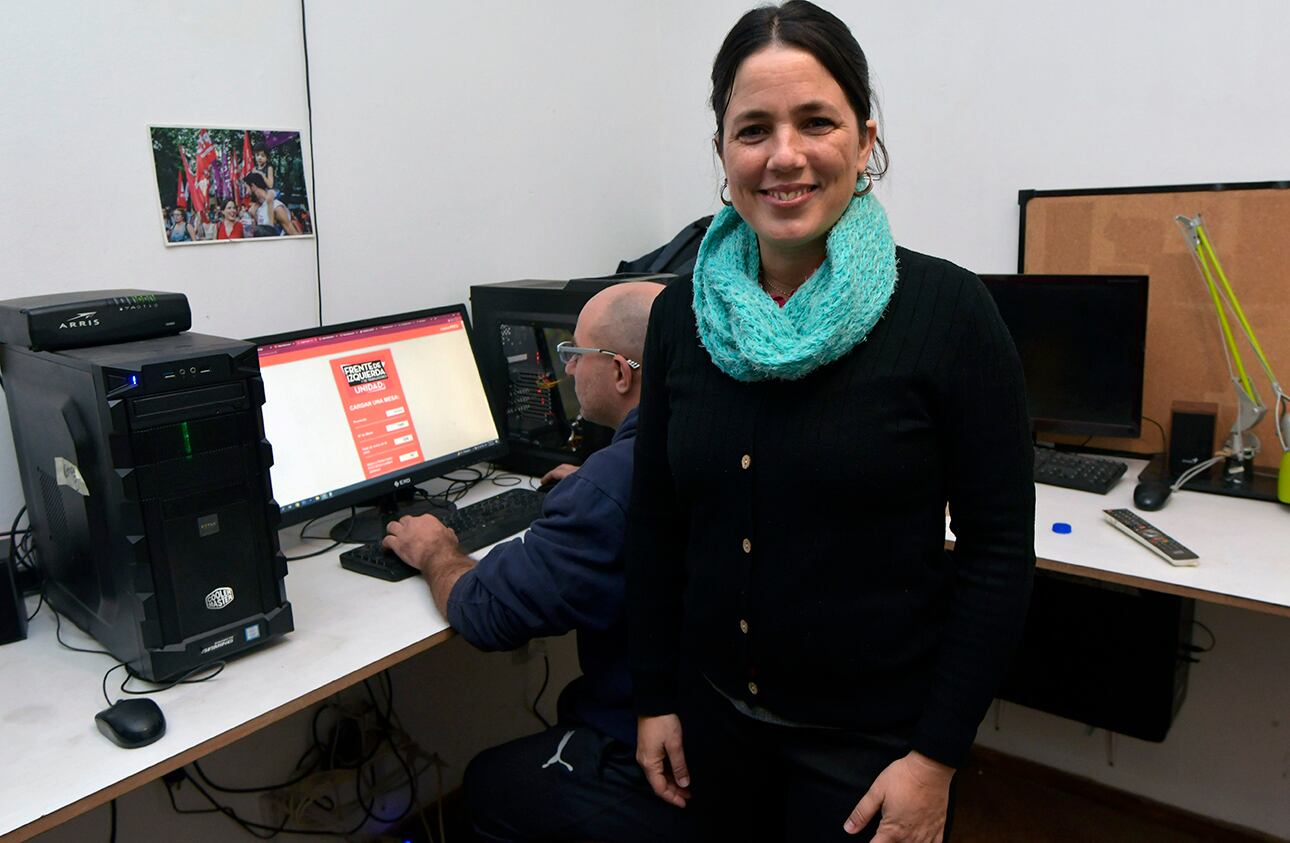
x: 1108, y: 655
x: 13, y: 610
x: 1191, y: 434
x: 146, y: 474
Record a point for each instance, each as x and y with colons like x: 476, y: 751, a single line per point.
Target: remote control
x: 1153, y: 538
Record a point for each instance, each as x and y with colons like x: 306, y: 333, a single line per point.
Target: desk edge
x: 201, y: 750
x: 1164, y: 587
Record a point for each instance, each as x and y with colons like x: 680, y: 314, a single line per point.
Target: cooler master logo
x: 80, y: 320
x: 219, y: 598
x: 357, y: 373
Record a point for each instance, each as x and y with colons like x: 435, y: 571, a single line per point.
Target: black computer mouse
x: 132, y: 723
x: 1151, y: 494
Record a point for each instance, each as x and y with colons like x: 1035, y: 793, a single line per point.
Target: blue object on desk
x: 1061, y: 527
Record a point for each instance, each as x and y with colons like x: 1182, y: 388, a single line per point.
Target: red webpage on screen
x: 377, y: 411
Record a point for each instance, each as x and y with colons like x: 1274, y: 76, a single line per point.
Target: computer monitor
x: 358, y: 413
x: 1082, y: 341
x: 517, y: 327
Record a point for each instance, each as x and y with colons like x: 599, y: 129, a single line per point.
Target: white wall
x: 82, y: 82
x: 983, y: 98
x: 470, y: 143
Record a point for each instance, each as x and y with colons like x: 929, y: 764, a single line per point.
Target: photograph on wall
x: 229, y: 185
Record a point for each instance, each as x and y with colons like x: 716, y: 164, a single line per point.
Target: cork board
x: 1132, y: 231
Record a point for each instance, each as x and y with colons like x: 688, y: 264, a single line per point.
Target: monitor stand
x: 368, y: 525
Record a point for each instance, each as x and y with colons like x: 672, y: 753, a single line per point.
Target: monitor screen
x: 1082, y: 341
x: 359, y: 410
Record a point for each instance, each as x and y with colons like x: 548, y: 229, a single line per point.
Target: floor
x: 1002, y: 801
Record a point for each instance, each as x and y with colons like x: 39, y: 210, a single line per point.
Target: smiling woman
x: 811, y: 402
x: 794, y: 150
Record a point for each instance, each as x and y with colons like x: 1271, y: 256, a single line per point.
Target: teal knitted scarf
x: 751, y: 338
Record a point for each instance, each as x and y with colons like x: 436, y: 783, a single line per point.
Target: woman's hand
x: 913, y: 795
x: 659, y: 754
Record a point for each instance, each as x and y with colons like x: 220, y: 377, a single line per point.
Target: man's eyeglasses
x: 567, y: 351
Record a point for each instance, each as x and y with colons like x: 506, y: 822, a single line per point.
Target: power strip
x: 326, y: 801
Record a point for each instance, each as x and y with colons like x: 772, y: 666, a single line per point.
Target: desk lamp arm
x: 1251, y: 408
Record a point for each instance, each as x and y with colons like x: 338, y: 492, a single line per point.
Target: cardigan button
x: 745, y: 461
x: 743, y: 626
x: 752, y: 688
x: 747, y: 546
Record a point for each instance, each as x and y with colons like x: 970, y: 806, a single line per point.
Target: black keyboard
x: 495, y: 518
x: 478, y: 525
x: 376, y: 561
x: 1077, y: 471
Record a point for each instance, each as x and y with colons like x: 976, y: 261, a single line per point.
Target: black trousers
x: 569, y: 783
x: 756, y: 781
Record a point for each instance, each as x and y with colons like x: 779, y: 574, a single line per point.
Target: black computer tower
x: 1112, y: 656
x: 517, y: 326
x: 146, y: 475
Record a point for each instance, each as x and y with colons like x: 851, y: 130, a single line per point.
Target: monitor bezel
x: 1083, y: 427
x: 368, y: 493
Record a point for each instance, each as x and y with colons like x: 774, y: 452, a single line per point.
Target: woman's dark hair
x: 804, y: 26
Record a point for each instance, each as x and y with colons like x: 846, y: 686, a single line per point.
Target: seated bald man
x: 578, y: 780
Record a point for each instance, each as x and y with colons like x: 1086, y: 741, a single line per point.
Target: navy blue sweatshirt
x: 566, y: 573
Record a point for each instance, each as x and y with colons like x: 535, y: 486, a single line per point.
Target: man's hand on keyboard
x: 557, y: 474
x: 430, y: 547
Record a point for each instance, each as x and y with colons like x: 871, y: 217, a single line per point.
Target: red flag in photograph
x: 205, y: 153
x: 245, y: 166
x: 196, y: 185
x: 180, y: 199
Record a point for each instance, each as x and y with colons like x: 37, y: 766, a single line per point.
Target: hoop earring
x: 721, y: 194
x: 868, y: 186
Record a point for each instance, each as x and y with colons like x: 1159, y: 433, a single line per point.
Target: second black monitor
x: 1082, y: 341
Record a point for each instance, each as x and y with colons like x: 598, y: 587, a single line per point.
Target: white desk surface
x: 348, y: 627
x: 1244, y: 545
